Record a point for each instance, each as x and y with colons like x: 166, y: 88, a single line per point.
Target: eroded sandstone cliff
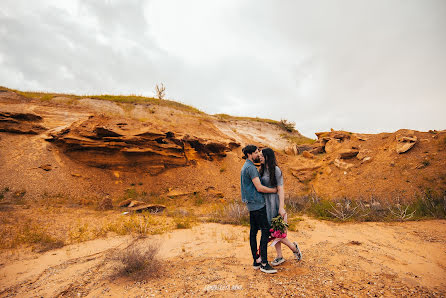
x: 107, y: 142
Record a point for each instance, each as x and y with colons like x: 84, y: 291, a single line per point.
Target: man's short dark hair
x: 250, y: 149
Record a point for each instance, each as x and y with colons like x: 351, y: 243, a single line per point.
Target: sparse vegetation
x: 114, y: 98
x: 138, y: 262
x: 293, y: 222
x: 427, y: 205
x: 298, y: 140
x: 141, y: 224
x: 198, y: 199
x: 233, y: 213
x: 131, y: 193
x: 287, y: 125
x: 430, y: 204
x: 29, y: 233
x: 401, y: 212
x: 160, y: 91
x: 3, y: 192
x: 229, y: 117
x: 80, y: 233
x: 183, y: 222
x: 18, y: 197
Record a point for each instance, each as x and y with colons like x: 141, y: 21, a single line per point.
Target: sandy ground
x: 353, y: 259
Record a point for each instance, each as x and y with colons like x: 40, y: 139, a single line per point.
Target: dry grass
x: 232, y: 213
x: 429, y: 204
x: 139, y: 224
x: 47, y: 96
x: 229, y: 117
x: 298, y: 140
x: 138, y: 262
x: 29, y: 234
x: 46, y: 227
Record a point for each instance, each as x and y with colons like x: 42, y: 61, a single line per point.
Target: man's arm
x: 261, y: 188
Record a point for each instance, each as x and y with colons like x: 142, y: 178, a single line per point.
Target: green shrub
x: 320, y: 209
x: 430, y: 204
x: 198, y: 199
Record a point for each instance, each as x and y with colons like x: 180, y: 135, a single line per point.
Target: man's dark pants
x: 258, y: 220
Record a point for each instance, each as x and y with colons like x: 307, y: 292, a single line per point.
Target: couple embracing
x: 264, y: 196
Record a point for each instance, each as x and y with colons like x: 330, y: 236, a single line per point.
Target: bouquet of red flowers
x: 278, y: 229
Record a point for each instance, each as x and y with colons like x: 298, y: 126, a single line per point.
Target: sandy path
x: 396, y: 259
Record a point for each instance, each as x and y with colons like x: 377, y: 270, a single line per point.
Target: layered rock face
x: 125, y: 143
x: 22, y: 123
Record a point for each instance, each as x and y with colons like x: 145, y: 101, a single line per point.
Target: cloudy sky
x: 362, y: 66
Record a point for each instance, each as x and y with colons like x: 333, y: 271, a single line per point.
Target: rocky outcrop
x: 21, y: 123
x: 364, y: 153
x: 342, y: 165
x: 107, y: 143
x: 348, y: 153
x: 307, y: 154
x: 332, y: 145
x: 305, y: 173
x: 138, y: 206
x: 405, y: 143
x: 291, y: 150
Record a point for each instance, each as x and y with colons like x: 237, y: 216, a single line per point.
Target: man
x: 251, y: 195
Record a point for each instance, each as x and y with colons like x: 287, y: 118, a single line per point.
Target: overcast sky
x: 362, y: 66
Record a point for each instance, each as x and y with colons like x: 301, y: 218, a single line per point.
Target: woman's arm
x: 261, y: 188
x: 281, y: 193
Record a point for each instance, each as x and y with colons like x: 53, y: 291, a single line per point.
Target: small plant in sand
x: 198, y: 199
x: 402, y: 211
x: 183, y: 222
x: 3, y: 192
x: 80, y: 233
x: 344, y: 209
x: 138, y: 262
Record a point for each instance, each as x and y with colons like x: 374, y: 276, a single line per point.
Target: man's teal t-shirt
x: 254, y: 200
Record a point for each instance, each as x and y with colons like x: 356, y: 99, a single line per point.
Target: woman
x: 271, y: 176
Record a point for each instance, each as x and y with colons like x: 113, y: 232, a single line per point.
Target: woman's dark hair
x: 270, y: 164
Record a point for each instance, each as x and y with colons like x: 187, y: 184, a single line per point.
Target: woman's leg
x: 288, y: 243
x: 279, y: 249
